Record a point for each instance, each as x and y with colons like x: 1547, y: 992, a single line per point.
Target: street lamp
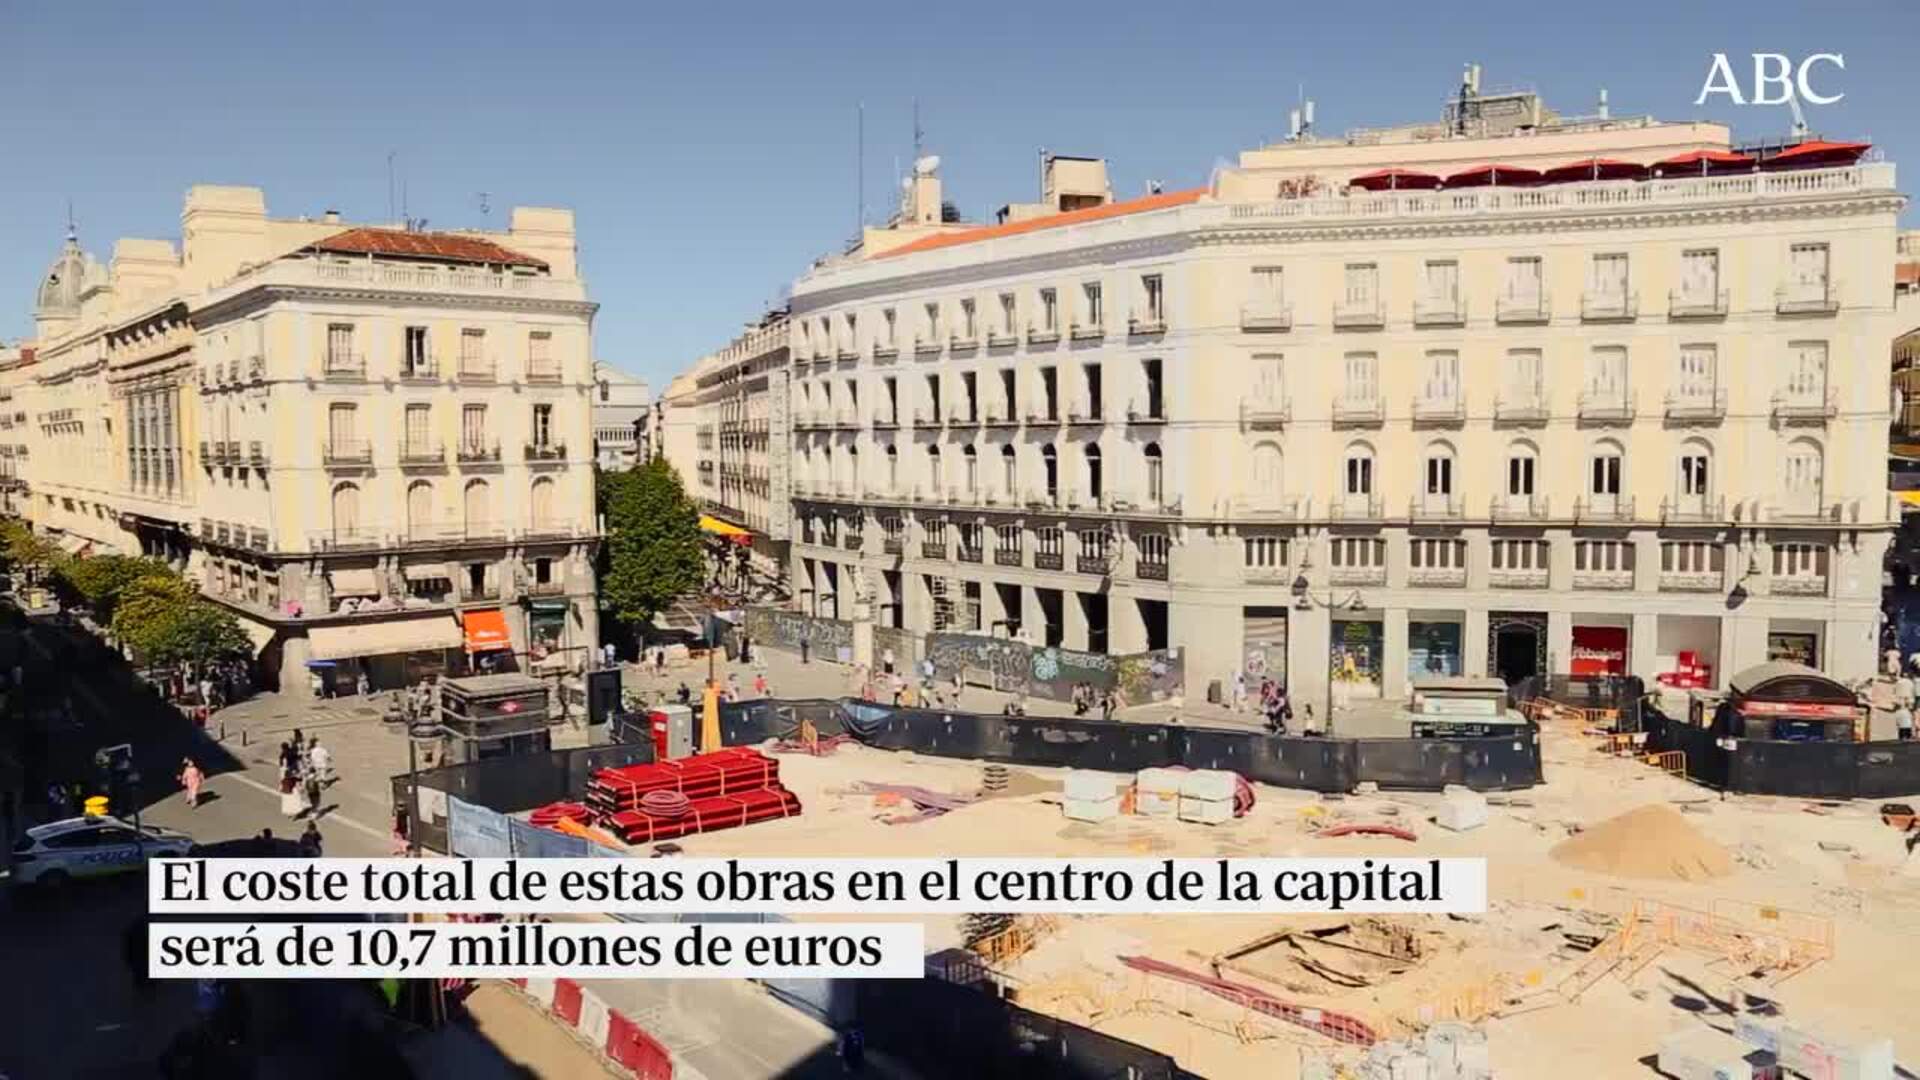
x: 1304, y: 599
x: 418, y: 732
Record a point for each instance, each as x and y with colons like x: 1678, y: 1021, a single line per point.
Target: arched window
x: 346, y: 512
x: 853, y: 470
x: 1050, y: 467
x: 1092, y: 456
x: 823, y: 480
x: 1606, y: 473
x: 1436, y: 480
x: 1357, y: 472
x: 419, y: 509
x: 934, y: 477
x: 1156, y: 475
x: 1804, y: 475
x: 541, y: 501
x: 1266, y: 473
x: 971, y: 457
x: 893, y: 470
x: 1694, y: 483
x: 1010, y: 472
x: 1523, y: 471
x: 477, y: 505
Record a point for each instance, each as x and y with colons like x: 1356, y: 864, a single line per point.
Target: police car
x: 89, y: 847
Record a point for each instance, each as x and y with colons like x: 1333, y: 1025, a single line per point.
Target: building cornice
x: 261, y: 296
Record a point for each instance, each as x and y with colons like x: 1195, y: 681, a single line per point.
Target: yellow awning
x: 720, y: 528
x: 384, y: 636
x: 1909, y: 498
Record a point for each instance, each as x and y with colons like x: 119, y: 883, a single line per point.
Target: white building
x: 621, y: 406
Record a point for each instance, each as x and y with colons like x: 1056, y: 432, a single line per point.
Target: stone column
x: 1126, y: 630
x: 1559, y: 642
x: 1073, y: 619
x: 1473, y: 643
x: 1643, y: 642
x: 295, y: 651
x: 1393, y: 642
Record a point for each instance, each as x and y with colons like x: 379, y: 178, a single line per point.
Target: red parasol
x: 1492, y: 175
x: 1395, y: 179
x: 1703, y: 162
x: 1595, y: 169
x: 1817, y: 152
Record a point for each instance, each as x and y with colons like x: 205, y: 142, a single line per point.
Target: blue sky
x: 709, y: 148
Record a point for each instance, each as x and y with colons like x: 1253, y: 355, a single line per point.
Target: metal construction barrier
x: 1612, y: 702
x: 1811, y: 770
x: 506, y: 785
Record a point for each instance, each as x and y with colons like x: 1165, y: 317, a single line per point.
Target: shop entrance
x: 1516, y: 645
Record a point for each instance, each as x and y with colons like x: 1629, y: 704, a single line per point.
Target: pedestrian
x: 206, y: 690
x: 609, y: 653
x: 1903, y: 723
x: 311, y: 784
x: 362, y: 685
x: 660, y: 660
x: 853, y: 1049
x: 886, y: 659
x: 320, y: 761
x: 806, y: 648
x: 311, y: 842
x: 59, y: 805
x: 958, y: 684
x: 1239, y: 691
x: 292, y: 803
x: 1893, y: 661
x: 190, y: 777
x: 685, y: 694
x: 1107, y: 705
x: 760, y: 685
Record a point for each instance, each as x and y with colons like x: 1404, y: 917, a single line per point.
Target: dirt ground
x: 540, y: 1043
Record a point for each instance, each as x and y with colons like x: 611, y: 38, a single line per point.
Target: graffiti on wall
x: 1152, y: 676
x: 1004, y: 665
x: 899, y: 640
x: 1052, y: 673
x: 786, y: 630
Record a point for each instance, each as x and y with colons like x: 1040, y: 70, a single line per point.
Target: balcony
x: 1440, y: 311
x: 542, y: 371
x: 549, y: 528
x: 1519, y: 508
x: 256, y: 368
x: 1350, y: 411
x: 846, y: 420
x: 258, y: 540
x: 1268, y: 507
x: 1265, y: 413
x: 1528, y: 410
x: 345, y: 366
x: 346, y: 453
x: 1083, y: 414
x: 968, y: 554
x: 546, y: 451
x: 1356, y: 575
x: 967, y: 419
x: 925, y: 418
x: 422, y: 454
x: 1605, y: 580
x: 257, y: 454
x: 1359, y: 315
x: 1093, y: 564
x: 1446, y: 411
x: 1002, y: 339
x: 1266, y: 317
x: 1603, y: 508
x: 419, y: 369
x: 1049, y: 560
x: 550, y: 587
x: 1693, y: 508
x: 471, y: 593
x: 933, y: 549
x: 477, y: 372
x: 233, y: 454
x: 1798, y: 585
x: 1697, y: 407
x: 1001, y: 416
x: 1805, y: 406
x: 1437, y: 577
x: 893, y: 545
x: 1088, y: 331
x: 1807, y: 298
x: 927, y: 347
x: 1697, y: 304
x: 1522, y: 309
x: 1606, y: 408
x: 347, y: 539
x: 1153, y: 412
x: 477, y: 452
x: 1434, y: 508
x: 885, y: 354
x: 963, y: 342
x: 1517, y: 579
x: 1150, y: 571
x: 1363, y: 508
x: 1146, y: 325
x: 885, y: 421
x: 852, y: 541
x: 1039, y: 418
x: 847, y: 354
x: 1712, y: 581
x: 1609, y: 306
x: 1007, y: 557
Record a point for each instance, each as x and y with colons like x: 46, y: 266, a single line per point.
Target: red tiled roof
x: 451, y: 247
x: 1162, y: 201
x: 1906, y: 273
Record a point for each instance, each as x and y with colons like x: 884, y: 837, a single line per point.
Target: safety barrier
x: 1808, y: 770
x: 609, y: 1031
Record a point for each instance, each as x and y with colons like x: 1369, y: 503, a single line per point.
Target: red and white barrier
x: 624, y: 1042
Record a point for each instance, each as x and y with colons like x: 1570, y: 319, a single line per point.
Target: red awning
x: 1492, y: 175
x: 486, y: 630
x: 1595, y: 169
x: 1702, y: 162
x: 1395, y: 179
x: 1818, y: 152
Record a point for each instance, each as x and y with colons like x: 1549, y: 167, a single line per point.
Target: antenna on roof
x: 390, y: 155
x: 73, y: 229
x: 860, y: 171
x: 1603, y: 103
x: 483, y: 203
x: 917, y: 133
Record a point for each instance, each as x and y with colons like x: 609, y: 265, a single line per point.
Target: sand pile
x: 1653, y: 841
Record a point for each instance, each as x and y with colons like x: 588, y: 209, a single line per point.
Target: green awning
x: 550, y: 605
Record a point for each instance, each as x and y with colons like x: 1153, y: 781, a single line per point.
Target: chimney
x: 331, y: 217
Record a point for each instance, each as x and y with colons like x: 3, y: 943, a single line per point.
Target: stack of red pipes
x: 550, y: 815
x: 668, y: 799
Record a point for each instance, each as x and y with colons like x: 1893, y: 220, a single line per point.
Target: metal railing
x: 1807, y: 298
x: 1696, y: 303
x: 1356, y: 508
x: 1438, y: 410
x: 1265, y: 412
x: 1348, y: 410
x: 1603, y: 508
x: 1139, y: 325
x: 1522, y: 308
x: 1440, y: 311
x: 1697, y: 406
x: 346, y: 452
x: 1353, y: 315
x: 546, y: 451
x: 1519, y: 508
x: 1434, y: 508
x: 344, y: 365
x: 1266, y: 317
x: 543, y: 371
x: 472, y: 452
x: 1609, y: 306
x: 423, y: 453
x: 1606, y: 408
x: 1531, y: 409
x: 1806, y: 405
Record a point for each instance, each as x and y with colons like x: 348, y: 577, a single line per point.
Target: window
x: 346, y: 511
x: 1154, y: 549
x: 1803, y: 465
x: 1700, y: 275
x: 473, y: 347
x: 1359, y: 480
x: 540, y: 498
x: 1269, y: 378
x: 543, y: 425
x: 1264, y: 552
x: 1520, y: 555
x: 1094, y: 543
x: 341, y: 428
x: 1697, y: 374
x: 1009, y: 313
x: 1800, y: 560
x: 971, y: 458
x: 972, y: 535
x: 888, y: 337
x: 1095, y: 315
x: 892, y: 528
x: 1050, y: 466
x: 933, y: 323
x: 1440, y: 283
x: 419, y: 428
x: 1266, y: 470
x: 967, y: 329
x: 1049, y: 310
x: 1607, y: 277
x: 851, y: 322
x: 1440, y: 471
x: 936, y: 531
x: 893, y: 399
x: 1007, y: 538
x: 1521, y: 465
x: 417, y: 360
x: 1806, y: 376
x: 1153, y: 293
x: 934, y: 473
x: 1694, y: 471
x: 1156, y: 475
x: 1092, y: 458
x: 1443, y: 376
x: 1269, y: 287
x: 1691, y: 557
x: 1357, y: 552
x: 1009, y: 470
x: 1603, y: 556
x: 1156, y: 397
x: 1090, y: 375
x: 1050, y: 385
x: 1437, y: 554
x: 1808, y: 266
x: 1009, y: 394
x: 1607, y: 374
x: 473, y: 427
x: 933, y: 396
x: 1523, y: 383
x: 540, y: 354
x: 1048, y: 540
x: 1362, y: 385
x: 1362, y: 286
x: 1524, y: 282
x: 340, y: 354
x: 1604, y: 471
x: 852, y: 395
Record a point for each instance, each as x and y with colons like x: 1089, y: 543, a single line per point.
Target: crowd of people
x: 306, y: 770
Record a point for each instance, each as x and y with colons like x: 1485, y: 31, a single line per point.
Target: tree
x: 23, y: 548
x: 100, y: 580
x: 654, y: 550
x: 166, y: 621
